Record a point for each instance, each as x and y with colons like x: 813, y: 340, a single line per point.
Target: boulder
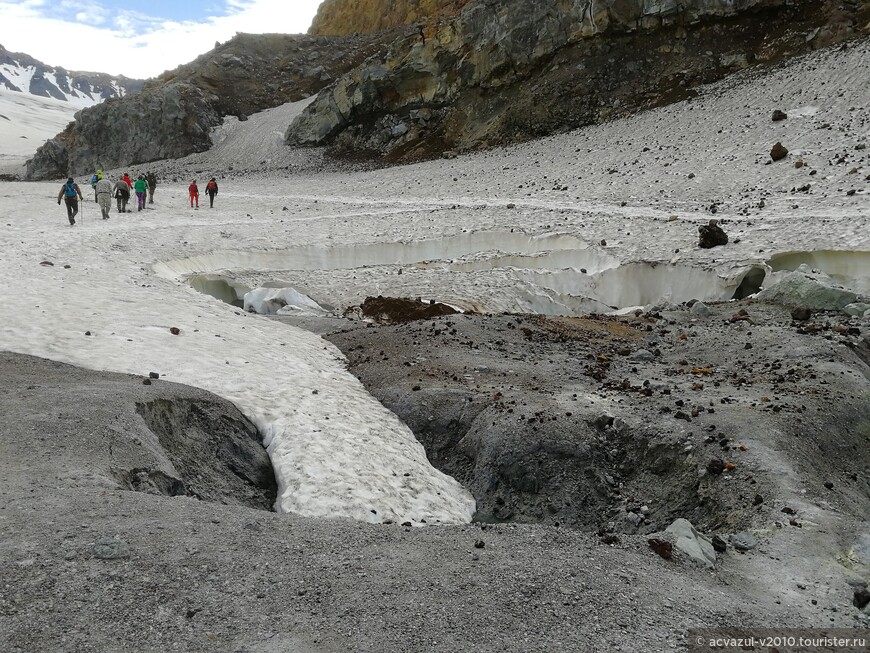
x: 778, y: 152
x: 711, y: 235
x: 692, y: 543
x: 806, y: 288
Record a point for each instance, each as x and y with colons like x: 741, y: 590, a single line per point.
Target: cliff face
x: 508, y: 70
x: 173, y: 114
x: 345, y: 17
x: 460, y: 74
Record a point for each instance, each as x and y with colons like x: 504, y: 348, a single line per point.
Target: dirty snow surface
x: 596, y: 220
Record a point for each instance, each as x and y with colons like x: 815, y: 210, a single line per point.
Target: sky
x: 139, y: 40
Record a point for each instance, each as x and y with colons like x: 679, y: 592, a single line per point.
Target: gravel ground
x: 89, y: 564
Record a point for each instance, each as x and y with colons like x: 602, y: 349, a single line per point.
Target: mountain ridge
x: 20, y: 72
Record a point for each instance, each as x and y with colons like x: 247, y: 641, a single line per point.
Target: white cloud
x: 135, y: 44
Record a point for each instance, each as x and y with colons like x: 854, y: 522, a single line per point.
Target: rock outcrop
x: 173, y: 114
x: 453, y: 76
x: 505, y: 71
x: 345, y: 17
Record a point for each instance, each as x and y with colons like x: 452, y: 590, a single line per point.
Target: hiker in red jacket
x: 193, y: 189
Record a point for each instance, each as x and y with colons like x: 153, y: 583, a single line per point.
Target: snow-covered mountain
x: 22, y: 73
x: 37, y: 101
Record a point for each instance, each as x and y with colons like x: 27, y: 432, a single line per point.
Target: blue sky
x: 139, y: 40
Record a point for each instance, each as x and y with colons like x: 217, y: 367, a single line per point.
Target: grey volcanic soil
x: 129, y: 522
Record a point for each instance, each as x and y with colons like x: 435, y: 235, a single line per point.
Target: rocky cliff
x: 461, y: 75
x: 172, y: 115
x: 507, y: 70
x: 345, y: 17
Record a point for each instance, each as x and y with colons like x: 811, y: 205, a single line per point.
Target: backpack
x: 69, y: 190
x: 212, y: 186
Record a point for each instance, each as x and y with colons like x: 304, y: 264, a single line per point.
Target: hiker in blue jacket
x: 71, y: 194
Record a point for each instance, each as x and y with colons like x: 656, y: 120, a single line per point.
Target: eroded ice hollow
x: 552, y: 274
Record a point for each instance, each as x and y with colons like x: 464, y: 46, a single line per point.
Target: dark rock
x: 153, y: 375
x: 146, y: 381
x: 712, y: 235
x: 664, y: 548
x: 861, y: 598
x: 778, y: 152
x: 719, y: 544
x: 716, y: 466
x: 778, y: 115
x: 758, y: 500
x: 174, y: 330
x: 789, y: 511
x: 479, y: 544
x: 801, y: 314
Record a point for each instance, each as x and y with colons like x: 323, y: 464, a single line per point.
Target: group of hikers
x: 104, y: 191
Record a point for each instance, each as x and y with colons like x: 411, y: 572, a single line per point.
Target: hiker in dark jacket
x: 151, y: 178
x: 121, y: 191
x: 71, y: 194
x: 211, y: 189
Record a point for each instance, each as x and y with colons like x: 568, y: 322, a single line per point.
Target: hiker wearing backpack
x: 151, y: 178
x: 94, y: 179
x: 71, y: 194
x: 193, y: 189
x: 211, y: 189
x: 141, y: 187
x: 103, y: 189
x: 121, y: 192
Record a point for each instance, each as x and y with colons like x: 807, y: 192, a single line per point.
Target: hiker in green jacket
x: 141, y: 187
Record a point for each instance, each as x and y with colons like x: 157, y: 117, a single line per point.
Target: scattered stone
x: 47, y: 264
x: 801, y: 314
x: 829, y: 485
x: 719, y: 545
x: 692, y: 543
x: 110, y: 548
x: 174, y: 330
x: 758, y: 500
x: 716, y: 466
x: 856, y: 309
x: 479, y: 544
x: 146, y: 381
x: 799, y: 163
x: 664, y: 548
x: 712, y: 235
x: 643, y: 355
x: 743, y: 541
x: 778, y: 115
x: 87, y: 333
x: 778, y: 152
x: 153, y: 375
x: 700, y: 308
x: 789, y: 511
